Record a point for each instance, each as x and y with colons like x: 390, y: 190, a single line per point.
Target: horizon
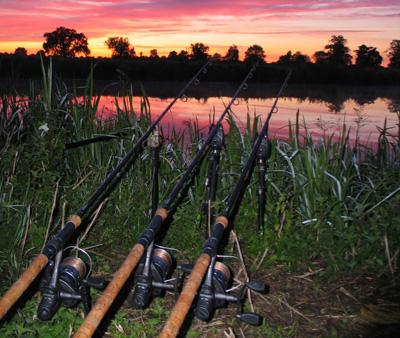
x: 173, y: 25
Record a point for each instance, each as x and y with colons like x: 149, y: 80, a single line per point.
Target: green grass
x: 328, y: 202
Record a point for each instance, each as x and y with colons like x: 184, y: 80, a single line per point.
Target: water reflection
x: 319, y: 116
x: 323, y: 108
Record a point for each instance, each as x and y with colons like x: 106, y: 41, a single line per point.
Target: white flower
x: 44, y: 128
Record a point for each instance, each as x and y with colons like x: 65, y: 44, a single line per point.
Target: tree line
x: 67, y: 42
x: 71, y: 49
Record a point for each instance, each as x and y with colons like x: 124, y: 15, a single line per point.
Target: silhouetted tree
x: 120, y: 47
x: 300, y: 59
x: 199, y: 51
x: 368, y: 57
x: 254, y: 53
x: 65, y: 42
x: 21, y: 51
x: 320, y: 57
x: 285, y: 59
x: 394, y: 54
x: 183, y: 55
x: 173, y: 55
x: 217, y: 57
x: 338, y: 52
x: 232, y: 55
x: 154, y: 54
x: 293, y: 59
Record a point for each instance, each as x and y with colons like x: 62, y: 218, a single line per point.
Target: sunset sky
x: 173, y: 25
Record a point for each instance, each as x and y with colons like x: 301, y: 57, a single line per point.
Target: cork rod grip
x: 102, y: 305
x: 182, y: 306
x: 20, y: 286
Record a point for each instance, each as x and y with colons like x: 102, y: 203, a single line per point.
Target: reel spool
x: 73, y: 271
x: 161, y: 265
x: 67, y: 281
x: 213, y: 294
x: 150, y: 278
x: 216, y: 283
x: 221, y: 281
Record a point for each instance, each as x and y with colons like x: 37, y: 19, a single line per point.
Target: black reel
x: 151, y: 275
x: 67, y: 283
x: 264, y: 150
x: 216, y: 145
x: 213, y: 294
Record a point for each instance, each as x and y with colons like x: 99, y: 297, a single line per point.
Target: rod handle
x: 20, y: 286
x: 189, y: 291
x: 102, y: 305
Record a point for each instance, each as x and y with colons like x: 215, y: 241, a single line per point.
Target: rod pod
x: 103, y: 303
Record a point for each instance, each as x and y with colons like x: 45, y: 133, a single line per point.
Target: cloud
x: 216, y: 22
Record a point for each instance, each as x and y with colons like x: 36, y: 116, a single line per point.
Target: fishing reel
x: 215, y: 293
x: 216, y: 145
x: 151, y: 277
x: 264, y: 150
x: 67, y: 281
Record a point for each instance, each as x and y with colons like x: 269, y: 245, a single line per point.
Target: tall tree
x: 255, y: 53
x: 199, y: 51
x: 232, y: 55
x: 338, y: 52
x: 120, y: 47
x: 65, y: 42
x: 394, y: 54
x: 21, y: 51
x: 368, y: 57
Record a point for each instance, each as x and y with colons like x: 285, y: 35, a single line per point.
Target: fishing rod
x: 207, y: 265
x: 74, y: 222
x: 69, y: 281
x: 143, y: 288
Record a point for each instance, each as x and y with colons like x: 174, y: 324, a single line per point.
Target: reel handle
x: 251, y: 318
x: 98, y: 283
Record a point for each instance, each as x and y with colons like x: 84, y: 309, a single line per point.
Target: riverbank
x: 331, y: 214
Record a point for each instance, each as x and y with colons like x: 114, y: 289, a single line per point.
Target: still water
x: 323, y: 109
